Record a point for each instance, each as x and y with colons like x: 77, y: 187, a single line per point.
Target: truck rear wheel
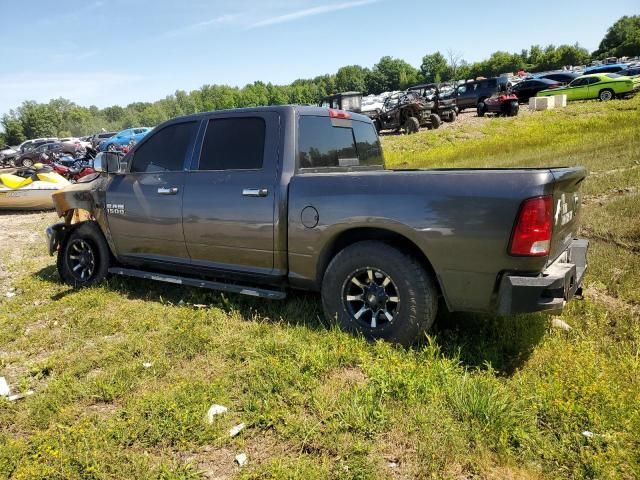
x: 374, y: 290
x: 84, y: 256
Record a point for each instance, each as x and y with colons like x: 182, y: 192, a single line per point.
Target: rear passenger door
x: 229, y: 199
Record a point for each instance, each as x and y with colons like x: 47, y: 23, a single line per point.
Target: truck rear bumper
x: 549, y: 291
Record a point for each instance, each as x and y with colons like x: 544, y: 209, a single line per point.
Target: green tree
x: 622, y: 39
x: 434, y: 68
x: 39, y: 120
x: 393, y: 74
x: 351, y: 78
x: 13, y: 131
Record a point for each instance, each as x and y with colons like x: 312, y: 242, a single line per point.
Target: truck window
x: 322, y: 145
x: 166, y: 150
x: 367, y: 144
x: 233, y: 144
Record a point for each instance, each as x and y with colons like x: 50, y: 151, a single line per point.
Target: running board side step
x: 194, y: 282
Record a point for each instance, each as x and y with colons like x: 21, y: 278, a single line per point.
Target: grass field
x: 481, y: 398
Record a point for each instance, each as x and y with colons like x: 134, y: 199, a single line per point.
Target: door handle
x: 168, y: 191
x: 255, y: 192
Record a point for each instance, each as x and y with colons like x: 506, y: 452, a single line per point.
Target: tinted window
x: 233, y: 144
x: 367, y: 144
x: 592, y: 80
x: 166, y: 150
x: 492, y: 83
x: 322, y: 145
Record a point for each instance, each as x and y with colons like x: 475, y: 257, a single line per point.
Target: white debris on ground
x: 241, y: 459
x: 561, y: 324
x: 588, y: 434
x: 4, y: 388
x: 5, y: 391
x: 215, y: 410
x: 147, y: 364
x: 236, y: 430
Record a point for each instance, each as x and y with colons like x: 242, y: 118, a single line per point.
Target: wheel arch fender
x: 394, y: 236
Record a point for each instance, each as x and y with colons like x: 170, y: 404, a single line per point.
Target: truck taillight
x: 532, y: 233
x: 333, y: 113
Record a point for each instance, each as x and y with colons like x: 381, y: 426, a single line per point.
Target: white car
x: 72, y: 144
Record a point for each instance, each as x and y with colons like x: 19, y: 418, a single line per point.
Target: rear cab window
x: 327, y: 145
x: 233, y: 144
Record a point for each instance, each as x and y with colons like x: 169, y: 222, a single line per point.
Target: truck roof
x: 303, y: 110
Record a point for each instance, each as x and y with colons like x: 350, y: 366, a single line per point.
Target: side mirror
x: 107, y: 162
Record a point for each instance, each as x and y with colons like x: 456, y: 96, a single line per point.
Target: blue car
x: 124, y: 137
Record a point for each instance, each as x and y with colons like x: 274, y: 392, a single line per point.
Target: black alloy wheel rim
x: 371, y: 297
x: 82, y: 260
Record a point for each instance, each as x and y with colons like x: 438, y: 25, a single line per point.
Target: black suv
x: 470, y: 94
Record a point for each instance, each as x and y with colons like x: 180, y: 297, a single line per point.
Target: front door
x: 229, y: 196
x: 144, y: 206
x: 577, y: 89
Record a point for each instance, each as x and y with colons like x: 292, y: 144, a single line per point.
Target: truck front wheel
x: 374, y: 290
x: 84, y: 256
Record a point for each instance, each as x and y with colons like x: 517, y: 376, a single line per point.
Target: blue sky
x: 105, y: 52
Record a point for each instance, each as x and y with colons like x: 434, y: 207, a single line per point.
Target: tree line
x: 61, y: 117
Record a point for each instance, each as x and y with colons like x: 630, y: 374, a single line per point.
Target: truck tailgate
x: 567, y: 199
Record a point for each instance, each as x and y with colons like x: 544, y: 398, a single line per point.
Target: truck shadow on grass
x: 476, y: 340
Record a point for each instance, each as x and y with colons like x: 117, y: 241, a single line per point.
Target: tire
x: 451, y: 117
x: 482, y: 109
x: 513, y: 109
x: 605, y: 95
x: 435, y: 121
x: 26, y: 162
x: 411, y: 125
x: 410, y: 297
x: 85, y: 241
x: 378, y: 126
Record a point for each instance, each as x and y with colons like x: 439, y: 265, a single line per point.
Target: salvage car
x: 530, y: 87
x: 34, y: 155
x: 263, y: 201
x: 405, y: 110
x: 601, y: 86
x: 124, y: 137
x: 561, y: 77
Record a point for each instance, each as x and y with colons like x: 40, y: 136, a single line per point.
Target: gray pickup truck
x: 262, y: 201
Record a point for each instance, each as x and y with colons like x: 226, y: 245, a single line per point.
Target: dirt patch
x: 612, y: 303
x: 607, y: 197
x: 20, y: 231
x: 219, y: 463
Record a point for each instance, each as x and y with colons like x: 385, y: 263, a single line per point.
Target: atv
x: 502, y: 104
x: 405, y: 110
x: 442, y: 97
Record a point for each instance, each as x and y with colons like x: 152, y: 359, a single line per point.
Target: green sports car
x: 603, y: 86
